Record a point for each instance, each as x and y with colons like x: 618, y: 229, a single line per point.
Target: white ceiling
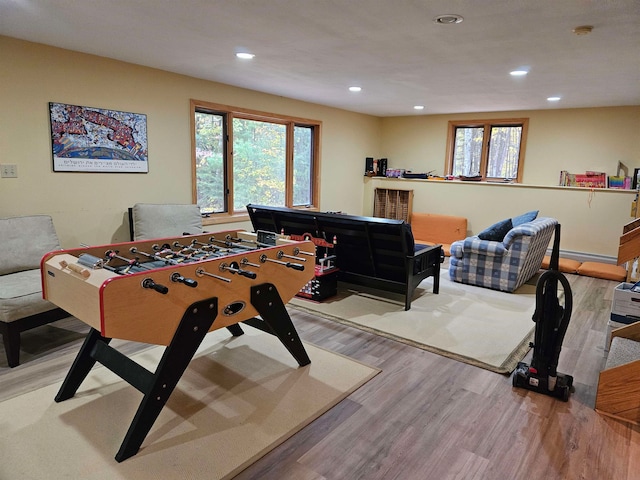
x: 313, y: 50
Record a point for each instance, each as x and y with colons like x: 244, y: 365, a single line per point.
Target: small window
x: 242, y: 156
x: 492, y: 149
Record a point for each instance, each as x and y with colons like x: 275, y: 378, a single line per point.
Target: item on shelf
x: 409, y: 174
x: 475, y: 178
x: 382, y: 167
x: 620, y: 182
x: 395, y: 172
x: 589, y: 179
x: 368, y: 166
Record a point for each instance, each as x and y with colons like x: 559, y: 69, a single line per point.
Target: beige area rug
x: 475, y: 325
x: 239, y: 398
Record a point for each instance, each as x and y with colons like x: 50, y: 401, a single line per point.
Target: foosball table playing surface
x: 172, y: 292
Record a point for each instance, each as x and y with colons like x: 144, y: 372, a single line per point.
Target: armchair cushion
x: 602, y: 270
x: 164, y: 220
x: 565, y: 265
x: 497, y: 231
x: 24, y: 241
x: 438, y: 229
x: 524, y: 218
x: 21, y: 296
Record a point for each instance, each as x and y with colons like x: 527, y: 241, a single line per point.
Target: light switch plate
x: 8, y: 171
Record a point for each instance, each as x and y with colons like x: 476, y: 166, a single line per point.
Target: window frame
x: 487, y: 124
x: 229, y: 113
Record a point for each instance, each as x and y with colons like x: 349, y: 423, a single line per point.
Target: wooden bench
x: 374, y: 252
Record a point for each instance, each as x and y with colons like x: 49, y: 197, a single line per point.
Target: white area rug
x: 475, y: 325
x: 239, y: 398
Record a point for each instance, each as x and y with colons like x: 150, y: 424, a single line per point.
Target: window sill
x: 220, y: 219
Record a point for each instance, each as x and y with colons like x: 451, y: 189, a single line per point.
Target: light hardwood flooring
x: 425, y: 416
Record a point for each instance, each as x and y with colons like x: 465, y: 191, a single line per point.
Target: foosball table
x: 172, y: 292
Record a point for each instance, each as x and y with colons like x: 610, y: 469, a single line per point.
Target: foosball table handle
x: 149, y: 283
x: 189, y: 282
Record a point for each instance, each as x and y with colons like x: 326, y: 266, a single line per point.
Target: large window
x: 492, y: 149
x: 242, y: 156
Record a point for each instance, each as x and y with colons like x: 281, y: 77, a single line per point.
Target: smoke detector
x: 448, y: 19
x: 583, y: 30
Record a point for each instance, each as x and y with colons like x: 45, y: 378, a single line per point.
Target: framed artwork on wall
x: 87, y: 139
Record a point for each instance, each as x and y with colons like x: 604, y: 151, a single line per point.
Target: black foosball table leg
x: 235, y: 329
x: 156, y: 387
x: 193, y: 327
x: 266, y: 300
x: 81, y: 366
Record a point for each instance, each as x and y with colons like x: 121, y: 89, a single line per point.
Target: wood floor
x: 424, y: 416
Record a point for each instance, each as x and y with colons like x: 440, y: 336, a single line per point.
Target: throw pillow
x: 524, y: 218
x: 497, y: 231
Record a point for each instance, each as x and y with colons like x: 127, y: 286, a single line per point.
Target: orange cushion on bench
x: 565, y: 265
x: 607, y: 271
x: 434, y: 229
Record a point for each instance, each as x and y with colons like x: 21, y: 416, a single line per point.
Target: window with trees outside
x: 242, y: 156
x: 492, y: 149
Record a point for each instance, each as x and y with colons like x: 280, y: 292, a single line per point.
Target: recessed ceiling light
x: 518, y: 73
x: 418, y: 107
x: 448, y: 19
x: 355, y: 89
x: 553, y: 99
x: 245, y: 55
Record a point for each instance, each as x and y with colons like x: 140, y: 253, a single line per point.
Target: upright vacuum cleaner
x: 552, y: 320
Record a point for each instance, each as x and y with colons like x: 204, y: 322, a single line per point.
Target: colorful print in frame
x: 86, y: 139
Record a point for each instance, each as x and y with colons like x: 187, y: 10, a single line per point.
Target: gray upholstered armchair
x: 149, y: 220
x: 23, y: 242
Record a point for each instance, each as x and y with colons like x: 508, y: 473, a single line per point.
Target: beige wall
x: 591, y: 222
x: 575, y: 140
x: 90, y: 208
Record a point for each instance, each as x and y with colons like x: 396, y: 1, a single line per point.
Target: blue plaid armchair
x: 502, y: 265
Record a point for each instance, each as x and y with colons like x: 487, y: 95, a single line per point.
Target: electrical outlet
x: 8, y: 171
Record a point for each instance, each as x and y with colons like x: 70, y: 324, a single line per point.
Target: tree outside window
x: 499, y: 154
x: 243, y: 157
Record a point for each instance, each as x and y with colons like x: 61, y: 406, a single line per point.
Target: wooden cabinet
x: 392, y: 203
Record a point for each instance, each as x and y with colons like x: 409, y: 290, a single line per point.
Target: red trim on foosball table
x: 101, y: 297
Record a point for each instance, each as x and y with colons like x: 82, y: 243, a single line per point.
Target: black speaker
x: 382, y: 167
x: 368, y: 165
